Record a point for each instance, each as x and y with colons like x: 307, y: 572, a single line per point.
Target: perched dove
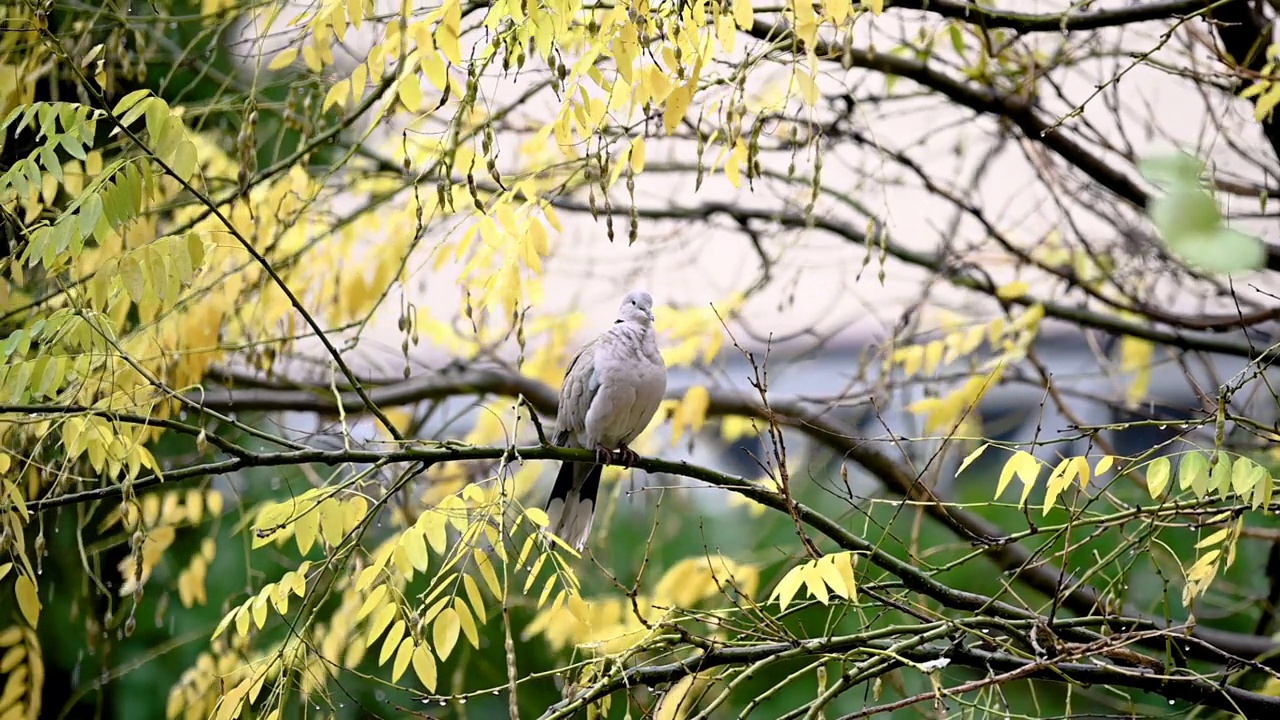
x: 612, y: 389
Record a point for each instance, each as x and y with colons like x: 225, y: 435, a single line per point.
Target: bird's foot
x: 604, y: 455
x: 628, y: 456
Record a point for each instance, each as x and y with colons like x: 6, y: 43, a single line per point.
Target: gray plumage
x: 611, y: 391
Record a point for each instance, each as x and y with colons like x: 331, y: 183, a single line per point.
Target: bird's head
x: 637, y: 307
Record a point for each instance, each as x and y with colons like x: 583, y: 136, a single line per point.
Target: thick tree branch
x: 981, y: 99
x: 1190, y: 689
x: 809, y: 418
x: 1018, y: 110
x: 1079, y: 316
x: 975, y: 14
x: 912, y: 577
x: 1245, y: 34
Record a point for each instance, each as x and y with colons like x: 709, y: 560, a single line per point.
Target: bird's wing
x: 577, y: 392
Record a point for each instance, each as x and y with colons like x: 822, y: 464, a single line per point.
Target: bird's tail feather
x: 572, y: 504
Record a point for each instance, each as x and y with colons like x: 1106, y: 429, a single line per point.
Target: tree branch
x: 806, y: 417
x: 1024, y: 114
x: 975, y: 14
x: 1190, y: 689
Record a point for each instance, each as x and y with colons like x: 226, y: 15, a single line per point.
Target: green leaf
x: 1171, y: 171
x: 184, y: 159
x: 51, y: 162
x: 1244, y: 477
x: 131, y: 275
x: 1220, y: 479
x: 1183, y: 213
x: 90, y: 213
x: 72, y: 147
x: 1192, y: 466
x: 157, y: 113
x: 133, y: 114
x: 195, y: 247
x: 128, y: 101
x: 1221, y: 250
x: 1189, y: 221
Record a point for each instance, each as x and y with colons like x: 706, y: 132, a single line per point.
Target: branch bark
x: 816, y: 422
x: 1190, y: 689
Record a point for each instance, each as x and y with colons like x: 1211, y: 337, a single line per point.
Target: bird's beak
x: 651, y: 317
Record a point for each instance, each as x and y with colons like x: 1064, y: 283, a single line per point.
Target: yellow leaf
x: 743, y: 13
x: 968, y: 459
x: 403, y: 655
x: 875, y: 6
x: 468, y: 623
x: 932, y: 357
x: 435, y: 70
x: 415, y: 548
x: 537, y: 516
x: 410, y: 92
x: 1267, y: 102
x: 444, y: 633
x: 449, y: 30
x: 813, y: 583
x: 305, y: 529
x: 337, y: 94
x: 1220, y: 478
x: 677, y: 106
x: 830, y: 574
x: 311, y: 57
x: 726, y: 33
x: 1079, y: 468
x: 807, y: 85
x: 371, y: 602
x: 391, y: 642
x: 485, y: 565
x: 1214, y: 539
x: 674, y: 704
x: 637, y: 154
x: 1059, y: 480
x: 424, y: 666
x: 331, y: 520
x: 28, y: 600
x: 1136, y: 356
x: 285, y: 57
x: 1205, y: 566
x: 1013, y: 290
x: 788, y: 586
x: 838, y: 10
x: 1023, y: 465
x: 381, y: 619
x: 844, y: 564
x: 432, y: 526
x: 259, y: 610
x: 474, y: 597
x: 733, y: 168
x: 1157, y: 477
x: 1104, y: 464
x: 911, y: 358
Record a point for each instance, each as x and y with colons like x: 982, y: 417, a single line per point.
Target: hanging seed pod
x: 633, y: 232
